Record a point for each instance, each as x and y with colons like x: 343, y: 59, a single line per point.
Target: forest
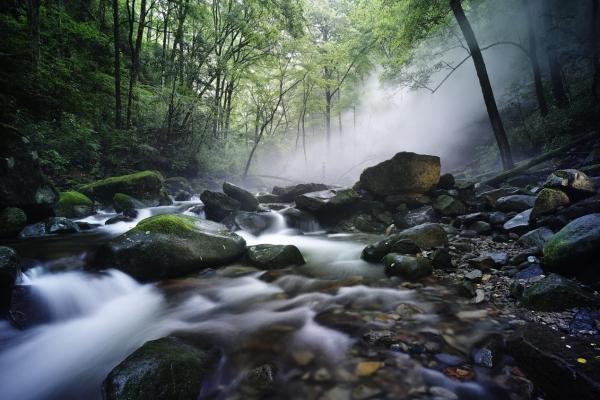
x: 299, y: 199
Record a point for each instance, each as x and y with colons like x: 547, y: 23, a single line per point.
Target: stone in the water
x: 516, y: 203
x: 176, y: 184
x: 9, y: 270
x: 163, y: 369
x: 555, y: 293
x: 125, y: 204
x: 270, y: 256
x: 255, y: 223
x: 145, y: 186
x: 268, y: 198
x: 248, y: 202
x: 300, y: 220
x: 519, y: 223
x: 536, y: 238
x: 287, y: 194
x: 183, y: 195
x: 404, y: 173
x: 118, y: 218
x: 218, y: 205
x: 548, y: 201
x: 259, y: 381
x: 326, y: 200
x: 488, y: 352
x: 574, y: 183
x: 426, y: 236
x: 392, y: 244
x: 167, y: 245
x: 449, y: 206
x: 575, y: 249
x: 72, y: 204
x: 408, y: 267
x: 12, y: 221
x: 51, y: 226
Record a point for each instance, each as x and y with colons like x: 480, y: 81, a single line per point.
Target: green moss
x: 12, y: 220
x: 122, y: 202
x: 73, y: 198
x: 142, y: 185
x: 168, y: 224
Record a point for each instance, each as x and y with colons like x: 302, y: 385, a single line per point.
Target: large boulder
x: 248, y: 202
x: 125, y: 204
x: 575, y: 249
x: 218, y: 205
x: 163, y: 369
x: 270, y: 256
x: 536, y: 238
x: 146, y: 186
x: 288, y: 193
x: 547, y: 201
x: 574, y: 183
x: 253, y: 222
x: 177, y: 184
x: 168, y: 245
x: 326, y: 200
x: 72, y: 204
x: 426, y: 236
x: 22, y: 183
x: 403, y: 173
x: 12, y: 221
x: 9, y: 270
x: 408, y: 267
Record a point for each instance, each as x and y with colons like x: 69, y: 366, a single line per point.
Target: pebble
x: 368, y: 368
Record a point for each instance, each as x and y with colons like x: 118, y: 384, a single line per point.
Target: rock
x: 73, y: 204
x: 488, y: 352
x: 301, y: 220
x: 575, y: 249
x: 404, y: 173
x: 167, y: 368
x: 467, y: 289
x: 12, y: 221
x: 368, y: 368
x: 26, y: 309
x: 426, y: 236
x: 255, y: 223
x: 411, y: 268
x: 392, y: 244
x: 549, y: 359
x: 481, y: 227
x: 446, y: 181
x: 326, y: 200
x: 517, y: 203
x: 584, y: 322
x: 9, y: 270
x: 548, y: 201
x: 411, y: 200
x: 246, y: 199
x: 532, y: 271
x: 177, y: 184
x: 259, y: 381
x: 555, y: 293
x: 22, y: 183
x: 474, y: 275
x: 497, y: 218
x: 420, y: 216
x: 183, y: 195
x: 268, y: 198
x: 484, y: 262
x: 167, y: 246
x: 287, y: 194
x: 51, y: 226
x: 535, y: 238
x: 270, y: 256
x: 117, y: 219
x: 519, y: 223
x: 441, y: 258
x: 491, y: 196
x: 146, y: 186
x: 125, y: 204
x: 576, y: 184
x: 449, y: 206
x: 218, y: 205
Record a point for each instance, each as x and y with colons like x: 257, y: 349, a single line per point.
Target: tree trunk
x: 596, y: 50
x: 484, y: 81
x: 135, y: 53
x: 535, y: 65
x: 558, y: 87
x: 117, y: 56
x: 33, y: 21
x: 328, y: 117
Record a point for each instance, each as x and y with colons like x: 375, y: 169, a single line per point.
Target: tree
x: 484, y: 81
x: 556, y: 78
x: 595, y: 39
x: 117, y: 60
x: 535, y: 65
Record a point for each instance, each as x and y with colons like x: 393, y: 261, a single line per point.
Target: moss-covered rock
x: 404, y: 173
x: 408, y: 267
x: 22, y: 183
x: 51, y: 226
x: 270, y: 256
x: 575, y: 249
x: 177, y: 184
x: 574, y: 183
x: 169, y: 245
x: 547, y: 201
x: 9, y: 270
x: 12, y: 221
x: 72, y: 204
x: 146, y: 186
x: 426, y: 236
x: 163, y: 369
x: 555, y: 293
x: 449, y: 206
x: 125, y: 204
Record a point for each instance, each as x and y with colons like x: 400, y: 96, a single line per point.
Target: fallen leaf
x: 367, y: 368
x: 581, y: 360
x: 459, y: 373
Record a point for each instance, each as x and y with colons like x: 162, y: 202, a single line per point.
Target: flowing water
x: 314, y: 324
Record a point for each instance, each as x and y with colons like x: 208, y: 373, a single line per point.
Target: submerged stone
x: 270, y: 256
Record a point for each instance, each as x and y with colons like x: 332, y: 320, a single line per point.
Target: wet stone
x: 474, y: 275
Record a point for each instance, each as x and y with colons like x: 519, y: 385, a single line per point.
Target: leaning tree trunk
x: 484, y: 81
x: 116, y: 36
x: 33, y: 21
x: 558, y: 87
x: 595, y: 51
x: 535, y: 65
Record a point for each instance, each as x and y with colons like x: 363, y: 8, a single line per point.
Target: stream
x: 333, y: 328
